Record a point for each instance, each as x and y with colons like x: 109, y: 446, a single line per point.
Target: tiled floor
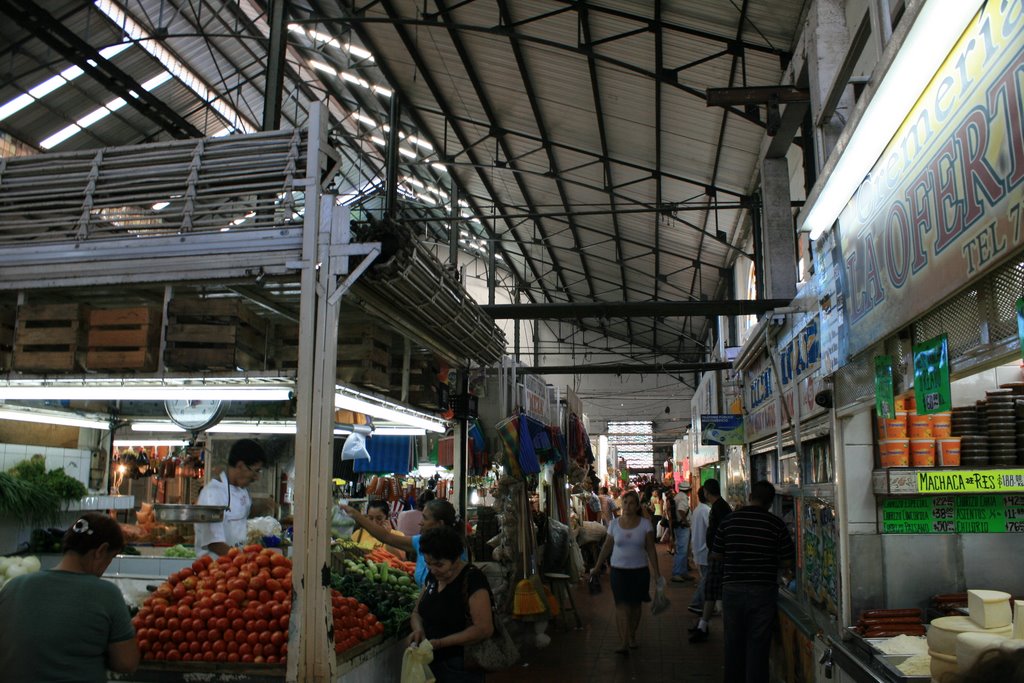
x: 588, y: 655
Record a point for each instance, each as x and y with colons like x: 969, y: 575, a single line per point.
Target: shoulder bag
x: 495, y: 653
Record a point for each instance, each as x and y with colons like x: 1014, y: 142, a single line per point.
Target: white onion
x: 15, y: 570
x: 31, y: 563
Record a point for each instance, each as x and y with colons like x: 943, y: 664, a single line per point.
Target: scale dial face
x: 194, y: 415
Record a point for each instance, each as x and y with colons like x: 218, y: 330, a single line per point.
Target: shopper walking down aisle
x: 680, y: 568
x: 630, y: 544
x: 753, y: 545
x: 698, y: 540
x: 67, y: 624
x: 712, y: 585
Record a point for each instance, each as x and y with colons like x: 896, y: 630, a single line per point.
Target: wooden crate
x: 48, y: 338
x: 123, y: 338
x: 214, y: 334
x: 363, y: 353
x: 7, y: 318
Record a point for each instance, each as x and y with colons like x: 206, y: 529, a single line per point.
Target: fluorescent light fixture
x: 398, y: 431
x: 367, y: 404
x: 231, y: 427
x: 160, y: 206
x: 438, y: 166
x: 936, y: 30
x: 419, y: 142
x: 408, y: 153
x: 377, y: 140
x: 413, y: 181
x: 144, y: 393
x: 152, y: 443
x: 52, y: 418
x: 381, y: 90
x: 365, y: 119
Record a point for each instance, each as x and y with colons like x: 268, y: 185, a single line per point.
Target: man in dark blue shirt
x: 753, y: 545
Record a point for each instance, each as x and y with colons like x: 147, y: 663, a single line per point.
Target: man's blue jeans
x: 749, y: 611
x: 679, y: 566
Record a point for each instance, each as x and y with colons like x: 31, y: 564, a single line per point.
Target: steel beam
x: 33, y: 18
x: 485, y: 102
x: 632, y: 309
x: 625, y: 369
x: 276, y: 12
x: 757, y: 94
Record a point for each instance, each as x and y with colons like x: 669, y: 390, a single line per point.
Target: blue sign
x: 721, y: 430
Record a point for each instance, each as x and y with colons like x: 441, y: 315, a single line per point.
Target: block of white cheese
x: 1018, y: 619
x: 943, y: 632
x: 941, y: 665
x: 970, y: 646
x: 1011, y: 645
x: 989, y: 609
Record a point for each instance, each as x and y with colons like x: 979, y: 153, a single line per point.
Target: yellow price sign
x: 970, y: 481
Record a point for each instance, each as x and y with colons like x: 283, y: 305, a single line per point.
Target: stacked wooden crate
x: 215, y: 334
x: 7, y: 318
x: 48, y: 337
x: 364, y: 354
x: 123, y: 339
x: 423, y: 369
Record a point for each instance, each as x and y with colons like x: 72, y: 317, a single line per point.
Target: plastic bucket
x: 948, y: 451
x: 922, y: 453
x: 919, y: 426
x: 942, y: 425
x: 894, y: 452
x: 894, y: 427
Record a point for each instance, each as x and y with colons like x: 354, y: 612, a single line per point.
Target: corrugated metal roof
x: 546, y: 114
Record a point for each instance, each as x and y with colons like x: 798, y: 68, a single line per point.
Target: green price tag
x: 931, y: 376
x: 885, y: 402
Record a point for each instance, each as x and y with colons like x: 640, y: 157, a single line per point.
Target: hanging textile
x: 446, y: 452
x: 528, y: 461
x: 508, y: 434
x: 558, y: 452
x: 387, y: 454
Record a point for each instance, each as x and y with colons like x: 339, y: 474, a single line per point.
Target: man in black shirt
x: 711, y: 581
x: 753, y: 545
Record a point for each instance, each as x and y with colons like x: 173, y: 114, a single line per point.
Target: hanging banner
x: 931, y: 376
x: 721, y: 430
x: 943, y: 205
x: 885, y: 400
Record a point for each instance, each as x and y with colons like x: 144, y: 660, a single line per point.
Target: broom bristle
x: 526, y: 601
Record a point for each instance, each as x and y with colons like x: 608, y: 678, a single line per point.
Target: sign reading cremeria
x: 943, y: 205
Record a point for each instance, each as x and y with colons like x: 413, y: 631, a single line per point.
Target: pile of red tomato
x: 353, y: 622
x: 232, y: 609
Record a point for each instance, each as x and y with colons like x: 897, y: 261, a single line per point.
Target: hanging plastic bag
x: 415, y: 662
x: 355, y: 448
x: 660, y: 602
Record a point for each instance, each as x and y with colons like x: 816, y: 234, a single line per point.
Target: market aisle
x: 587, y: 655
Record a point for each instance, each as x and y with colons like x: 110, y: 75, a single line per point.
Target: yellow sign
x: 944, y: 204
x: 970, y: 481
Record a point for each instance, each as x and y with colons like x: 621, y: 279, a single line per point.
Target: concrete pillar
x: 826, y: 49
x: 778, y: 234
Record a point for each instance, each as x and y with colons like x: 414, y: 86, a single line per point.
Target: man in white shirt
x: 680, y: 567
x: 698, y: 540
x: 228, y: 490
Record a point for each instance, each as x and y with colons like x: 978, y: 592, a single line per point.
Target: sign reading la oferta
x: 944, y: 203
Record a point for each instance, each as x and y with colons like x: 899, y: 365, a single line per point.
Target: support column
x: 778, y: 241
x: 826, y: 50
x: 391, y: 157
x: 277, y: 10
x: 454, y: 231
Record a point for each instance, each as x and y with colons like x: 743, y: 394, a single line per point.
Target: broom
x: 527, y: 601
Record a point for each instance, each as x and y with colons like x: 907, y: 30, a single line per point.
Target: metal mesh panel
x: 978, y: 317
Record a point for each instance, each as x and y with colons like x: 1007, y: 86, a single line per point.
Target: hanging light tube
x: 937, y: 28
x: 350, y: 399
x: 53, y: 418
x: 128, y: 392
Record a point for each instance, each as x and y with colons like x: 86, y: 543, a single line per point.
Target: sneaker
x: 695, y: 610
x: 699, y: 636
x: 678, y: 579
